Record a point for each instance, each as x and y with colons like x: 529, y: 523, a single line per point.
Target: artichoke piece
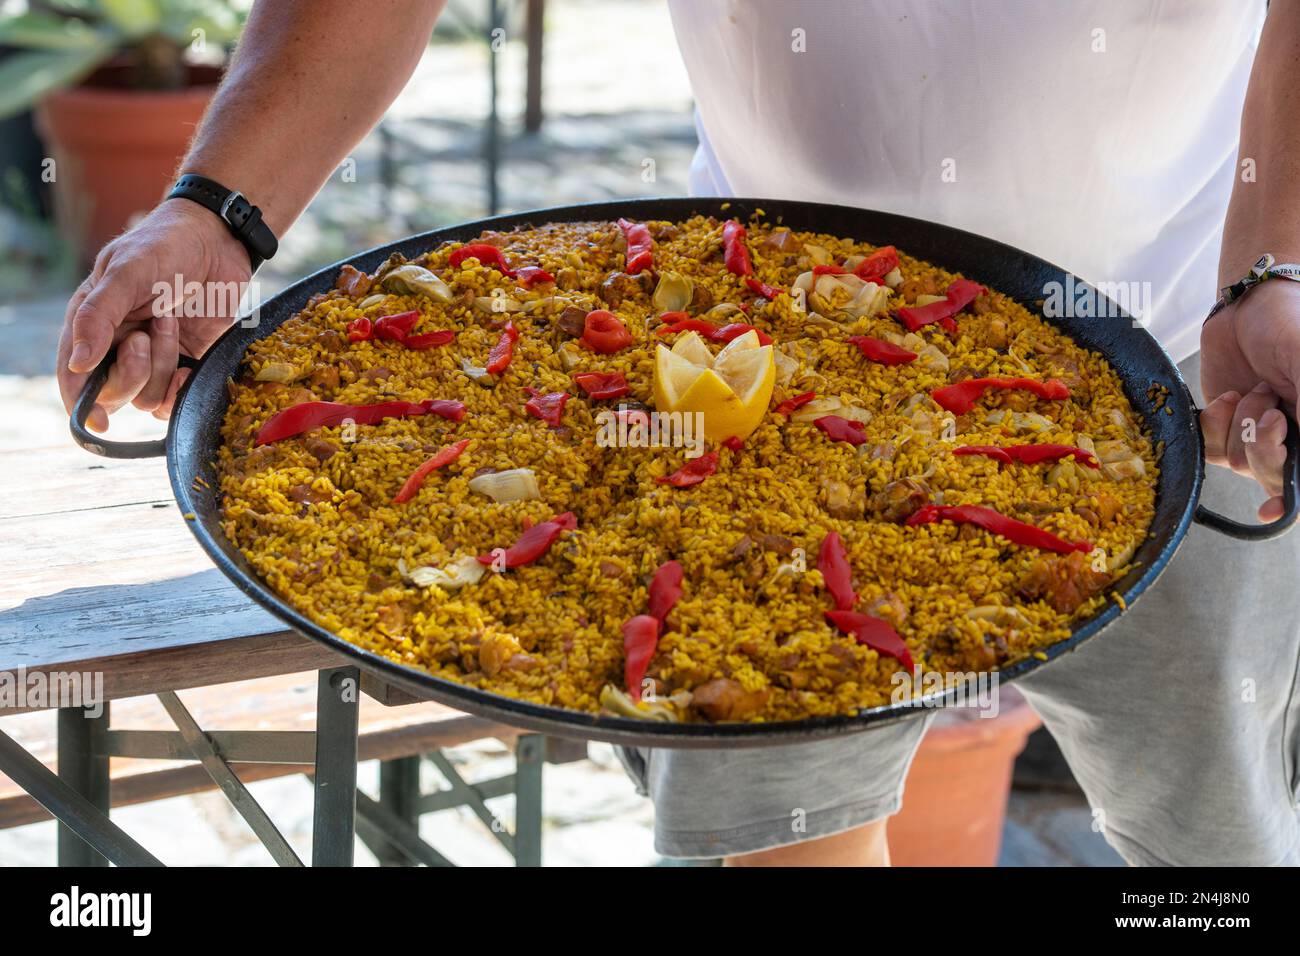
x: 278, y: 372
x: 616, y: 702
x: 370, y: 300
x: 673, y: 293
x: 416, y: 280
x: 458, y: 574
x: 478, y: 374
x: 514, y: 484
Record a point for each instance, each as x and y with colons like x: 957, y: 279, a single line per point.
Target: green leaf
x: 26, y: 77
x: 40, y: 31
x: 133, y: 17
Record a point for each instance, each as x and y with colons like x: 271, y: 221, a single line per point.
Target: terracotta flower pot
x: 115, y: 150
x: 955, y: 800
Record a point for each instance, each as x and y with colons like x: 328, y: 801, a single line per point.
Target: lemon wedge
x: 731, y: 389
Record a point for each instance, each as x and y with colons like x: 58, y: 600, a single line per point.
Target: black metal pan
x: 193, y: 439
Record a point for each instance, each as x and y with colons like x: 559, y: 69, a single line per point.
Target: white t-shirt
x: 1099, y: 135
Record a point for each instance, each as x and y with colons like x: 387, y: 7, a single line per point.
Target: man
x: 1100, y: 135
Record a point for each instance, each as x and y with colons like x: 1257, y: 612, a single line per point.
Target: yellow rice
x: 326, y: 537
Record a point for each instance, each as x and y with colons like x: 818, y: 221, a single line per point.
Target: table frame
x: 78, y: 794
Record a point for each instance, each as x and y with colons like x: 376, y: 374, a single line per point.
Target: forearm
x: 309, y: 79
x: 1264, y: 215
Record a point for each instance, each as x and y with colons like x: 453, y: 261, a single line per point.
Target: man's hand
x: 1250, y: 361
x: 118, y: 305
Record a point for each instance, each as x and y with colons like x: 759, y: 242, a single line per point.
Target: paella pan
x: 899, y: 466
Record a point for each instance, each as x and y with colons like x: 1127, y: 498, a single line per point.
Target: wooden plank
x: 113, y: 583
x: 36, y: 481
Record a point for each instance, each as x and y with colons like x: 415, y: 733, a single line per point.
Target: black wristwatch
x: 242, y: 218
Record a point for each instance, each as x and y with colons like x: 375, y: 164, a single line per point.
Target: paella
x: 697, y: 471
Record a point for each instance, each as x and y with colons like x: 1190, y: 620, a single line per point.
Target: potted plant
x: 955, y: 797
x: 118, y: 86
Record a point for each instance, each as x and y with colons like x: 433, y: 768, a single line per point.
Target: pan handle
x: 86, y: 403
x: 1290, y: 499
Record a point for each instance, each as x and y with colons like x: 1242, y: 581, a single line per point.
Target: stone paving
x: 610, y: 107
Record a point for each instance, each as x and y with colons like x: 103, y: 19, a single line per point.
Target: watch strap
x: 242, y: 218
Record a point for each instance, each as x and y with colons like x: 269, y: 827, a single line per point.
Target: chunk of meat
x: 325, y: 377
x: 306, y: 494
x: 1064, y: 581
x: 619, y: 286
x: 353, y: 282
x: 322, y: 449
x: 377, y: 374
x: 898, y: 500
x: 701, y: 299
x: 332, y: 341
x: 572, y: 321
x: 726, y: 699
x: 781, y: 240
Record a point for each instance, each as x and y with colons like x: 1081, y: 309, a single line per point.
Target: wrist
x: 213, y: 233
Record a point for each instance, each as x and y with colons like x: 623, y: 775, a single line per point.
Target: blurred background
x: 517, y: 104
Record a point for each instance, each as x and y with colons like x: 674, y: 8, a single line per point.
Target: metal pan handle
x: 86, y: 404
x: 1290, y: 499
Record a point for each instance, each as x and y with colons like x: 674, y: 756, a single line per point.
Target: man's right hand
x: 116, y: 306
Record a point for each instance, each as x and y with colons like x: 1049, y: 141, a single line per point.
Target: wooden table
x: 100, y: 577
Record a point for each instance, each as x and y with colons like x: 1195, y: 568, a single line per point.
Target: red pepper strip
x: 878, y: 350
x: 736, y: 329
x: 735, y: 443
x: 768, y: 292
x: 876, y: 266
x: 1017, y: 532
x: 604, y: 332
x: 842, y: 429
x: 501, y: 353
x: 640, y: 638
x: 535, y: 541
x: 640, y: 247
x: 960, y: 397
x: 830, y: 271
x: 960, y: 294
x: 305, y: 416
x: 791, y: 404
x: 833, y: 563
x: 486, y: 254
x: 734, y: 253
x: 445, y: 456
x: 713, y: 333
x: 528, y: 275
x: 429, y: 340
x: 599, y: 385
x: 1028, y: 454
x: 693, y: 472
x: 672, y: 326
x: 548, y: 407
x: 395, y: 328
x: 359, y: 330
x: 876, y: 634
x: 665, y: 589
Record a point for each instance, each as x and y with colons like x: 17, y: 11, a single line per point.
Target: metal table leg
x: 69, y: 806
x: 399, y: 794
x: 530, y: 757
x: 338, y: 694
x: 83, y: 765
